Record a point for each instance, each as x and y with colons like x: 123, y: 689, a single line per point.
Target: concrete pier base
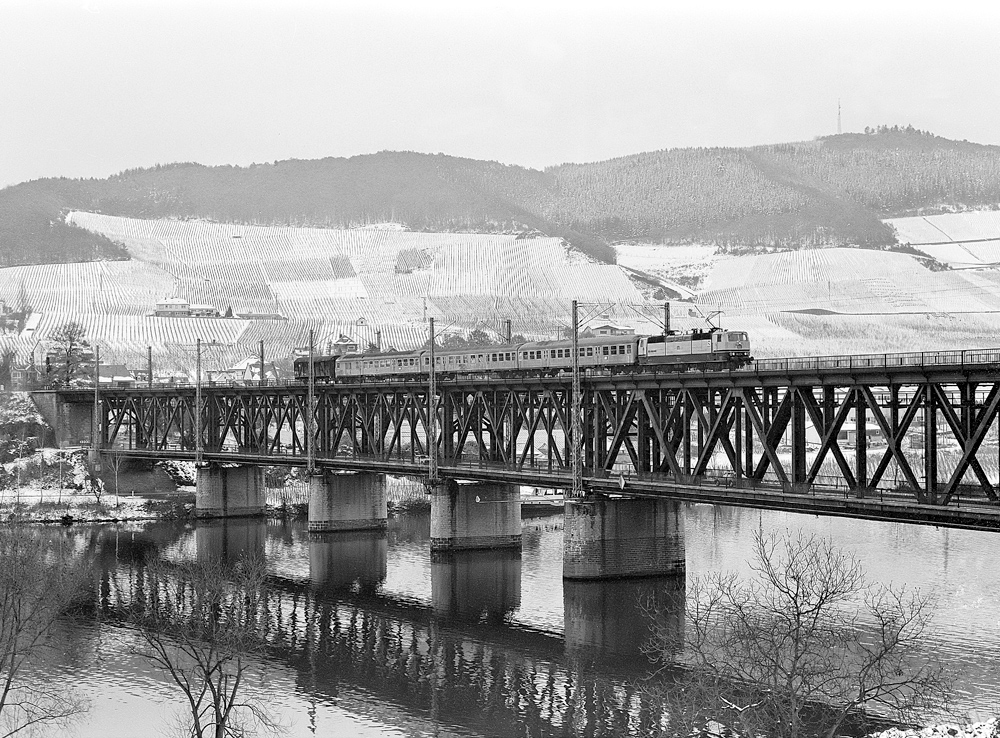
x: 480, y: 515
x: 224, y: 491
x: 614, y: 538
x: 339, y: 502
x: 469, y: 585
x: 347, y: 560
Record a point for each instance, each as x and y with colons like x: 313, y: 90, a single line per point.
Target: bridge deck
x: 911, y: 437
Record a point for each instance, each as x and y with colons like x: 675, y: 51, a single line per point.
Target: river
x: 485, y: 644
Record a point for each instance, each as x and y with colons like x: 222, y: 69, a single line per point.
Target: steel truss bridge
x: 888, y: 436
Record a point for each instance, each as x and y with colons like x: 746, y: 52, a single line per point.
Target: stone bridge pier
x: 229, y: 490
x: 347, y: 501
x: 620, y: 537
x: 477, y: 515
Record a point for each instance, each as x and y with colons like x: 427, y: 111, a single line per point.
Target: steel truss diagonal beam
x: 861, y: 433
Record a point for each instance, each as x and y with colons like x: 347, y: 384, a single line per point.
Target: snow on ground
x: 989, y: 729
x: 961, y: 240
x: 684, y: 265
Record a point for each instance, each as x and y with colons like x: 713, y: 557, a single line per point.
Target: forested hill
x: 833, y: 190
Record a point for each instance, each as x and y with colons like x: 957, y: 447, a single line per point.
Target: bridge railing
x: 973, y: 357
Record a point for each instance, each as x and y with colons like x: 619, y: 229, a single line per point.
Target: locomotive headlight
x: 739, y: 345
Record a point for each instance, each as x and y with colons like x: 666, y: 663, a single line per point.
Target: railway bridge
x: 909, y: 437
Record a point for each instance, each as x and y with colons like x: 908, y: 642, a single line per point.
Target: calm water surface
x: 485, y: 644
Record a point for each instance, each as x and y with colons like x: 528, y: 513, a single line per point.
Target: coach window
x: 628, y: 348
x: 614, y: 351
x: 590, y: 351
x: 604, y: 350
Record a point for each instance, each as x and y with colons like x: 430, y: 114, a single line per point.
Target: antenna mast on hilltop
x: 838, y: 117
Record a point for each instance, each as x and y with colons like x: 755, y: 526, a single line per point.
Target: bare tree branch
x: 797, y: 650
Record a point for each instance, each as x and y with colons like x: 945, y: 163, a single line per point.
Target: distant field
x: 961, y: 240
x: 853, y: 281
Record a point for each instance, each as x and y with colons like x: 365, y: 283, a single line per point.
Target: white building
x: 173, y: 307
x: 609, y: 329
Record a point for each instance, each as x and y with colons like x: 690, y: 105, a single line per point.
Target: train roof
x: 582, y: 341
x: 383, y: 355
x: 316, y: 357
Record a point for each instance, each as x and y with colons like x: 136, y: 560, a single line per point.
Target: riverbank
x: 67, y: 505
x: 988, y: 729
x: 54, y: 485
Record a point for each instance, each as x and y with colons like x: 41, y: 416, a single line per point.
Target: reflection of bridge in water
x: 457, y: 660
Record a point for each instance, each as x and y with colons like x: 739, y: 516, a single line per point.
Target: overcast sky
x: 91, y: 88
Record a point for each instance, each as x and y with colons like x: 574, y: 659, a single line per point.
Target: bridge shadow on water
x: 462, y: 653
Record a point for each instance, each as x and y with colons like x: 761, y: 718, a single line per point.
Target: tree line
x: 829, y: 191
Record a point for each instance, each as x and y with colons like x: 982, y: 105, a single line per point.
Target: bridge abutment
x: 347, y: 501
x: 480, y: 515
x: 224, y: 490
x: 71, y: 422
x: 614, y: 538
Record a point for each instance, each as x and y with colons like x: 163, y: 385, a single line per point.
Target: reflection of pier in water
x: 458, y: 661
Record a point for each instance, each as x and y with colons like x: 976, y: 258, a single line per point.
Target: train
x: 713, y: 349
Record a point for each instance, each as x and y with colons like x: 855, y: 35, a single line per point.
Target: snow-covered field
x: 961, y: 240
x: 682, y: 267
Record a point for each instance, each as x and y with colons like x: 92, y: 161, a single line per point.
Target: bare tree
x: 116, y: 459
x: 70, y: 352
x: 200, y: 625
x: 37, y: 586
x: 800, y: 648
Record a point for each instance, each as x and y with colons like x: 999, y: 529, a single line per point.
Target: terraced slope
x: 328, y: 281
